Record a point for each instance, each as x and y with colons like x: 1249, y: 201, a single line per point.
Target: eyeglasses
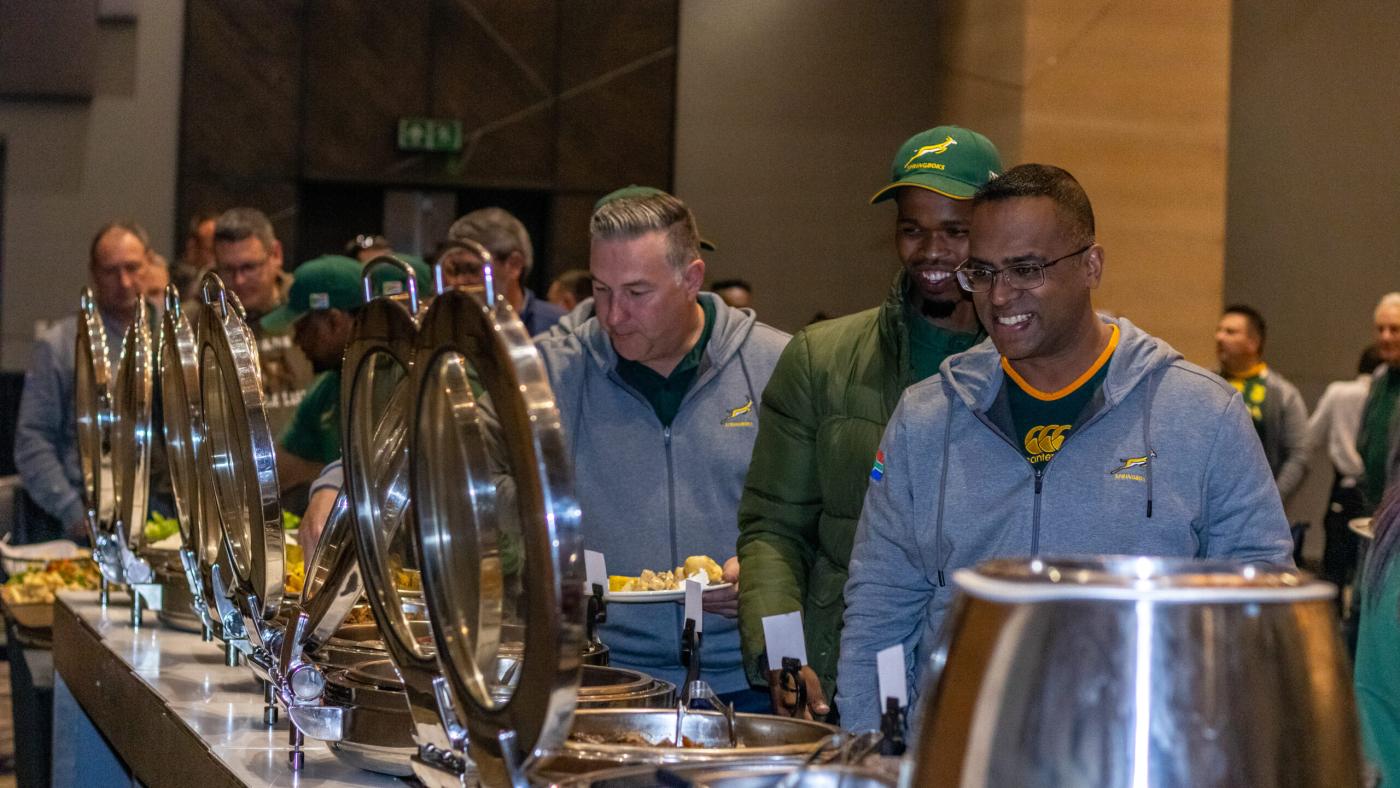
x: 1022, y: 276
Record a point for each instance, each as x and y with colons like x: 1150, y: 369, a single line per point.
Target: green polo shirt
x: 929, y: 344
x: 314, y: 433
x: 665, y: 392
x: 1374, y: 443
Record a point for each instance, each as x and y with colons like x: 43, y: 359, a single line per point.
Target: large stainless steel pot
x: 739, y: 774
x: 1121, y: 671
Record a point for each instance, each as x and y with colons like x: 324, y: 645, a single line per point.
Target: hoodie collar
x: 976, y: 376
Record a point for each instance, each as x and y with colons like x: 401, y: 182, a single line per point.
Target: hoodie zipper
x: 671, y: 495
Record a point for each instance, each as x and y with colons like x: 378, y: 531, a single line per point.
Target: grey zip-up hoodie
x: 652, y: 495
x: 1165, y: 462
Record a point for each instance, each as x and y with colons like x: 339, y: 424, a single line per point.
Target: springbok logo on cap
x: 937, y: 150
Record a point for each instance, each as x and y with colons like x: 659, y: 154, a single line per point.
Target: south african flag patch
x: 878, y: 471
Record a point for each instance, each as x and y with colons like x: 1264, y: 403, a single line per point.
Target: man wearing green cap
x: 319, y: 309
x: 830, y: 397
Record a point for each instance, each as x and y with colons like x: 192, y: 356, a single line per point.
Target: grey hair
x: 627, y: 218
x: 499, y: 231
x: 1389, y: 299
x: 240, y: 224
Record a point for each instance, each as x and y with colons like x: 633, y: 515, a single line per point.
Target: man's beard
x: 937, y: 310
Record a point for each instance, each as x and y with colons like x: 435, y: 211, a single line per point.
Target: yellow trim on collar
x: 1067, y: 390
x: 1255, y: 371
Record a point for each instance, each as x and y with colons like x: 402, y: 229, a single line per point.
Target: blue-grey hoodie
x: 653, y: 495
x: 1165, y: 462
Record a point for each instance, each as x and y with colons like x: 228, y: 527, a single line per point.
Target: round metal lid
x: 239, y: 448
x: 1137, y: 579
x: 497, y: 522
x: 131, y: 429
x: 92, y: 381
x: 374, y: 412
x: 180, y: 414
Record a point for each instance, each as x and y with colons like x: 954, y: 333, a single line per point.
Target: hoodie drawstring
x: 1147, y: 432
x: 942, y: 493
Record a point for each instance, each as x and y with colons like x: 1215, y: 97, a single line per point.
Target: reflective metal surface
x: 240, y: 451
x: 1138, y: 671
x: 741, y: 774
x: 92, y: 392
x: 497, y: 536
x: 760, y: 737
x: 131, y: 430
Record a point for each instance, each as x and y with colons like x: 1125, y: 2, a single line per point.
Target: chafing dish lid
x: 179, y: 389
x: 497, y: 523
x: 1137, y: 578
x: 92, y: 377
x: 131, y: 428
x: 239, y: 447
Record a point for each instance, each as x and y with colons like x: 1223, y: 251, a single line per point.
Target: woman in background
x: 1378, y: 643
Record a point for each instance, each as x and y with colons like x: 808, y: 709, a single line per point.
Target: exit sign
x: 433, y: 135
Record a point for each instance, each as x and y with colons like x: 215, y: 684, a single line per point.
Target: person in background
x: 657, y: 396
x: 198, y: 255
x: 462, y: 263
x: 1334, y: 424
x: 156, y: 278
x: 831, y: 395
x: 1070, y: 433
x: 367, y: 247
x: 46, y: 440
x: 248, y: 258
x: 570, y: 289
x: 1277, y: 409
x: 1378, y: 441
x: 1378, y: 642
x: 319, y: 312
x: 735, y: 292
x: 512, y: 257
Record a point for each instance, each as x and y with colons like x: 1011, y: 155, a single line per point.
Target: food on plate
x: 290, y: 521
x: 160, y: 527
x: 296, y: 569
x: 39, y: 585
x: 670, y: 579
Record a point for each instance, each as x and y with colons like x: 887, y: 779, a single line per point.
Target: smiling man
x: 657, y: 395
x: 1068, y: 434
x: 829, y: 400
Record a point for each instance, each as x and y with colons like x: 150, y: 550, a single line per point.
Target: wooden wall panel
x: 366, y: 67
x: 617, y: 67
x: 241, y: 95
x: 494, y: 67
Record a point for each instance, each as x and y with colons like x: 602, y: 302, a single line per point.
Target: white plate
x: 644, y: 597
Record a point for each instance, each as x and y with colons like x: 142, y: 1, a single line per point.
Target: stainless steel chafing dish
x: 92, y: 400
x: 881, y: 773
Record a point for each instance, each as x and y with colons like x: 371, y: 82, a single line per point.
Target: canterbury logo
x: 741, y: 416
x: 940, y: 148
x: 1046, y: 439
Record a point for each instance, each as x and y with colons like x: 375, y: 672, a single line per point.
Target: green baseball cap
x: 635, y: 192
x: 388, y: 280
x: 328, y: 282
x: 950, y: 160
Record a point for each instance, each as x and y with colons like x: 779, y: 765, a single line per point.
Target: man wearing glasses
x: 1068, y: 434
x: 827, y: 404
x: 248, y: 258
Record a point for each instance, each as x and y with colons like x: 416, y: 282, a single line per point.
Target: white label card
x: 596, y: 568
x: 890, y: 669
x: 693, y: 609
x: 782, y: 635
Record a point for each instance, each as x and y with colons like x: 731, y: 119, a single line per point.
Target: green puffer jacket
x: 823, y: 414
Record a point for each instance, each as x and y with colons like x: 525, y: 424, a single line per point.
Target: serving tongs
x: 697, y: 688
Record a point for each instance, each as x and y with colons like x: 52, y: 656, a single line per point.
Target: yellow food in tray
x: 296, y: 570
x: 670, y: 579
x: 38, y: 586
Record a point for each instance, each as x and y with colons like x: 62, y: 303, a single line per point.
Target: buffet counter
x: 169, y: 708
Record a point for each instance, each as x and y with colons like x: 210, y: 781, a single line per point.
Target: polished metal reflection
x: 1137, y: 672
x: 740, y: 774
x: 92, y: 391
x: 131, y: 430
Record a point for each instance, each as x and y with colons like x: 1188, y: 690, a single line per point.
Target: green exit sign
x: 433, y: 135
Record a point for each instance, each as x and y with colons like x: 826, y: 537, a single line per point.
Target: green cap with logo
x: 328, y: 282
x: 389, y: 280
x: 950, y: 160
x: 635, y: 192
